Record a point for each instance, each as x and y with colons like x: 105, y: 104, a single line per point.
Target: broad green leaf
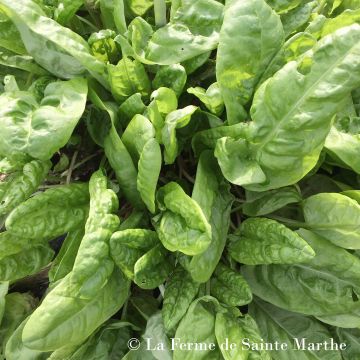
x: 350, y: 319
x: 265, y: 241
x: 229, y: 328
x: 17, y: 307
x: 56, y: 48
x: 113, y: 15
x: 280, y: 129
x: 149, y: 167
x: 136, y: 135
x: 10, y: 37
x: 296, y: 18
x: 213, y: 195
x: 15, y: 348
x: 166, y: 100
x: 127, y: 246
x: 139, y: 7
x: 351, y: 337
x: 198, y: 326
x: 51, y: 213
x: 115, y: 150
x: 41, y: 129
x: 23, y: 62
x: 183, y: 226
x: 108, y: 342
x: 93, y: 266
x: 66, y: 9
x: 343, y: 144
x: 155, y: 333
x: 152, y: 268
x: 292, y: 50
x: 329, y: 284
x: 250, y: 36
x: 175, y: 120
x: 18, y: 186
x: 171, y: 76
x: 335, y: 217
x: 258, y: 204
x: 193, y: 30
x: 352, y: 194
x: 328, y: 26
x: 64, y: 319
x: 211, y: 98
x: 237, y: 166
x: 207, y: 139
x: 127, y: 78
x: 64, y: 261
x: 130, y: 107
x: 281, y: 6
x: 103, y: 46
x: 229, y: 287
x: 21, y: 257
x: 291, y: 328
x: 180, y: 291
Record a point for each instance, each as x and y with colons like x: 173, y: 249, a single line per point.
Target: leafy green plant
x: 179, y: 172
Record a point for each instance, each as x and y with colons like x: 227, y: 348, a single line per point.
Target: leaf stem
x: 160, y: 13
x: 72, y: 164
x: 289, y: 222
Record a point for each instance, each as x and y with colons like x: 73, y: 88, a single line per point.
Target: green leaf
x: 149, y: 167
x: 265, y: 241
x: 213, y: 195
x: 19, y: 186
x: 351, y: 338
x: 280, y: 130
x: 234, y: 157
x: 51, y: 213
x: 328, y: 26
x: 17, y: 307
x: 250, y: 36
x: 343, y: 146
x: 329, y: 284
x: 15, y: 348
x: 130, y: 107
x: 155, y: 331
x: 258, y: 204
x: 281, y: 6
x: 64, y: 261
x: 335, y: 217
x: 229, y: 327
x: 180, y: 291
x: 212, y: 98
x: 183, y: 226
x: 127, y: 246
x: 198, y: 326
x: 21, y: 257
x: 296, y: 18
x: 229, y: 287
x: 127, y: 78
x: 64, y: 319
x: 171, y: 76
x: 175, y: 120
x: 40, y: 130
x: 66, y: 9
x: 152, y: 268
x: 166, y: 100
x: 286, y: 327
x: 136, y: 135
x: 57, y: 49
x: 193, y: 30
